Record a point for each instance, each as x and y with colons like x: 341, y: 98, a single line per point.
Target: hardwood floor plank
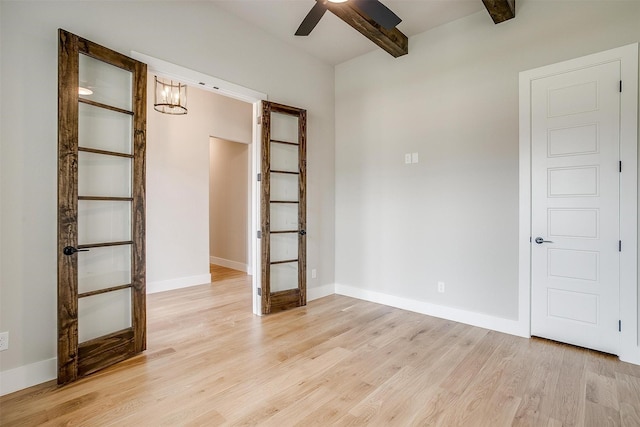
x: 460, y: 379
x: 602, y: 390
x: 221, y: 274
x: 538, y: 401
x: 601, y: 364
x: 570, y: 391
x: 629, y: 395
x: 281, y: 408
x: 600, y: 416
x: 553, y: 423
x: 434, y: 408
x: 500, y: 410
x: 343, y: 398
x: 337, y: 361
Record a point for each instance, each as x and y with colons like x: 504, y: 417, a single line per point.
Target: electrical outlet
x: 4, y: 341
x: 441, y: 287
x: 314, y: 273
x: 407, y: 158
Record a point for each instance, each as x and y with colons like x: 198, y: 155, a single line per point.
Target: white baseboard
x: 181, y: 282
x: 320, y: 292
x: 229, y: 264
x: 631, y: 355
x: 28, y: 375
x: 486, y: 321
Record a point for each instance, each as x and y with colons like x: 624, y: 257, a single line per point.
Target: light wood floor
x: 221, y: 274
x: 338, y: 361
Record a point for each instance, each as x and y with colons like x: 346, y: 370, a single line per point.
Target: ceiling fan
x: 378, y: 23
x: 373, y: 9
x: 370, y: 18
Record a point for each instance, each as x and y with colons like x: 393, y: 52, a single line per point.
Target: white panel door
x: 575, y: 119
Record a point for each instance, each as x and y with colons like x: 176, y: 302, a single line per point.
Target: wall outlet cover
x: 4, y: 341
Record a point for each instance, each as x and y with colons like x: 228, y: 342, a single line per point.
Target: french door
x: 101, y: 208
x: 283, y: 207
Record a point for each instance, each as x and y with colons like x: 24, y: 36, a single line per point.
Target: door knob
x: 70, y: 250
x: 540, y: 240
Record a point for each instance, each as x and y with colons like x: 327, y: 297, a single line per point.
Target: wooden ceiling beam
x: 500, y: 10
x: 392, y: 41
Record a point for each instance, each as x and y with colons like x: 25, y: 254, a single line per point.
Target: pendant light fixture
x: 170, y: 96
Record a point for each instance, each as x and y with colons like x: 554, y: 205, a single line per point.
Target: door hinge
x: 619, y: 325
x: 619, y: 245
x: 620, y: 166
x: 259, y: 292
x: 259, y: 177
x: 620, y: 86
x: 259, y: 234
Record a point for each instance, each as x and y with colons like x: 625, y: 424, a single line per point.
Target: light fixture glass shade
x: 84, y: 91
x: 170, y: 97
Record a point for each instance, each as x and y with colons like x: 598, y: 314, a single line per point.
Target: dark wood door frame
x: 275, y: 301
x: 78, y: 359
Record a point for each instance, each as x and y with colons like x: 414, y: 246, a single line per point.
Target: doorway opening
x: 191, y: 196
x: 229, y: 213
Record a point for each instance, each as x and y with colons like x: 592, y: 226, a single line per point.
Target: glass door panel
x: 103, y: 222
x: 284, y: 217
x: 108, y: 84
x: 103, y: 268
x: 103, y: 129
x: 103, y: 175
x: 284, y: 157
x: 104, y: 124
x: 284, y: 187
x: 284, y: 277
x: 284, y: 247
x: 103, y: 314
x: 284, y: 127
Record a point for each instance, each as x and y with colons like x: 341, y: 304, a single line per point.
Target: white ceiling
x: 333, y: 41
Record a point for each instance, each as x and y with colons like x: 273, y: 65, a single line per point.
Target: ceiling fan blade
x: 378, y: 12
x: 311, y: 20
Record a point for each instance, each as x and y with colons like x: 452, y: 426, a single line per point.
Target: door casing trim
x: 628, y: 349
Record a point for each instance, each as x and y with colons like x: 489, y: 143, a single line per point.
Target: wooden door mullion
x: 138, y: 223
x: 265, y: 207
x: 302, y: 206
x: 68, y: 83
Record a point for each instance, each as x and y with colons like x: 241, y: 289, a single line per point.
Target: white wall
x: 453, y: 216
x: 1, y: 185
x: 202, y: 38
x: 228, y: 207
